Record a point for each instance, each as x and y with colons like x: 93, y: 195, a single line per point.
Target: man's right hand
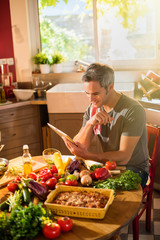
x: 101, y: 117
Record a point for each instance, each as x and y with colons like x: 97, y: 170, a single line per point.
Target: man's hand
x: 101, y: 117
x: 76, y: 149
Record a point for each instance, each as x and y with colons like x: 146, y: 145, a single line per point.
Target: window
x: 123, y: 32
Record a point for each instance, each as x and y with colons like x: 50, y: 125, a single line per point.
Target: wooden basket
x: 81, y: 212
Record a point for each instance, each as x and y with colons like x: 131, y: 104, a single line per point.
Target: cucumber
x: 26, y: 195
x: 4, y: 206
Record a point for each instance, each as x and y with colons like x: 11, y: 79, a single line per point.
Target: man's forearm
x: 85, y: 135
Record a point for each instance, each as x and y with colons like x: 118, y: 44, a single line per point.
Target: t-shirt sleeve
x: 135, y: 121
x: 86, y: 116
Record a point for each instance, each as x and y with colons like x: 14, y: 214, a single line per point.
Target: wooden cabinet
x: 19, y: 126
x: 70, y: 123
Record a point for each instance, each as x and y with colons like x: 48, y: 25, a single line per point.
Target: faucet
x: 81, y: 65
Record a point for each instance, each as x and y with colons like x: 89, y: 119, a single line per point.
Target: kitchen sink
x: 67, y: 98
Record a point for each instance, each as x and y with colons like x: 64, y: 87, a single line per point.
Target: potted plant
x: 42, y: 61
x: 57, y: 60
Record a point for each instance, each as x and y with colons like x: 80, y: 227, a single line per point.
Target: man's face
x: 97, y: 95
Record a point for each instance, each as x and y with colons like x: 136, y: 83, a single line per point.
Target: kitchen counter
x: 12, y: 103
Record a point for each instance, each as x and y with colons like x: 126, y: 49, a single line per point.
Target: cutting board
x: 37, y: 165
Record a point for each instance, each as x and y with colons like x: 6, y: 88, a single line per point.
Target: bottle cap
x: 25, y: 147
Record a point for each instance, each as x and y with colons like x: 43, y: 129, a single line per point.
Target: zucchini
x: 4, y: 205
x: 26, y: 195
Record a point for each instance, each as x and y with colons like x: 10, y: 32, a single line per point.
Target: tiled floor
x: 126, y: 233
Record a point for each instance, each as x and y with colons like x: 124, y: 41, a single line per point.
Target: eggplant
x: 74, y: 165
x: 39, y: 190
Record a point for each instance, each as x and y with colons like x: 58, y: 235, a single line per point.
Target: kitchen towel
x: 97, y: 128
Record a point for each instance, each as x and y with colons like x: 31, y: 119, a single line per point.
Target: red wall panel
x: 6, y: 40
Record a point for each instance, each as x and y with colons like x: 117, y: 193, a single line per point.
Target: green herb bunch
x: 24, y: 222
x: 127, y: 181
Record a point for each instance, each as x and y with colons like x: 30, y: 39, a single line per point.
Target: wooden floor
x: 126, y: 233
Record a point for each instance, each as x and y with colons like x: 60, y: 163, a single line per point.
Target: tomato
x: 74, y: 183
x: 71, y: 182
x: 57, y: 176
x: 65, y: 223
x: 110, y: 165
x: 12, y: 186
x: 54, y: 169
x: 102, y: 173
x: 45, y: 174
x: 17, y: 179
x: 51, y: 182
x: 51, y: 230
x: 32, y: 175
x: 68, y: 182
x: 43, y: 183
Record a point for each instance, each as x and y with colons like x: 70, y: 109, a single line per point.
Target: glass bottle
x: 2, y: 95
x: 27, y: 160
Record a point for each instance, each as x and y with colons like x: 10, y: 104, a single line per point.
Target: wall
x: 6, y: 40
x: 21, y: 39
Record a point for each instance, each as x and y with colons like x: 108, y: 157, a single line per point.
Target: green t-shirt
x: 129, y: 120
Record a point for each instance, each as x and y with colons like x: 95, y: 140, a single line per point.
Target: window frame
x: 137, y: 64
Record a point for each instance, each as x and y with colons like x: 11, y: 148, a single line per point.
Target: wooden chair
x: 153, y: 134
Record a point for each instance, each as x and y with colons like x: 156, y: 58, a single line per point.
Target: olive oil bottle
x: 27, y: 160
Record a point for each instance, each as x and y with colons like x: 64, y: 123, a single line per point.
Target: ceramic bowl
x: 23, y: 94
x: 3, y: 165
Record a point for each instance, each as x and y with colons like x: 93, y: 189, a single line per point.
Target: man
x: 118, y: 120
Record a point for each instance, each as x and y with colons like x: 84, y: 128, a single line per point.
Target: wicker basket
x: 81, y: 212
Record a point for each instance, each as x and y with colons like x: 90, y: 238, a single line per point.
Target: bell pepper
x: 58, y: 162
x: 102, y: 173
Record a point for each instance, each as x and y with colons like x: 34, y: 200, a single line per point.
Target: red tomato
x: 65, y: 223
x: 12, y: 186
x: 71, y: 182
x: 51, y: 230
x: 43, y: 184
x: 110, y: 165
x: 51, y: 183
x: 74, y: 182
x: 54, y: 169
x: 32, y: 175
x: 45, y: 174
x: 59, y: 183
x: 57, y: 176
x: 17, y: 179
x: 102, y: 173
x: 68, y: 182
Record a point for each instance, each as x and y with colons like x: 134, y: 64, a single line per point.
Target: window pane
x: 127, y: 43
x: 68, y: 28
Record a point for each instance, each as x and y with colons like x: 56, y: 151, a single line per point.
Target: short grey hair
x: 100, y: 73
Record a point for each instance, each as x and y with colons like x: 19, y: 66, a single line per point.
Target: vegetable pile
x: 23, y: 222
x: 127, y: 181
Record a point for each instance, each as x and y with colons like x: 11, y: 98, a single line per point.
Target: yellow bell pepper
x: 58, y: 162
x: 66, y: 162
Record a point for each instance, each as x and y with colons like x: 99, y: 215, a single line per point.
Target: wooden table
x: 122, y: 211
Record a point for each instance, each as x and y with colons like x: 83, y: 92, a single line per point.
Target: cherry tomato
x: 68, y: 182
x: 102, y: 173
x: 12, y: 186
x: 45, y: 174
x: 43, y: 183
x: 74, y: 183
x: 32, y: 175
x: 71, y: 182
x: 65, y: 223
x: 54, y: 169
x: 57, y: 176
x: 51, y: 230
x: 110, y: 165
x: 17, y: 179
x: 51, y: 182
